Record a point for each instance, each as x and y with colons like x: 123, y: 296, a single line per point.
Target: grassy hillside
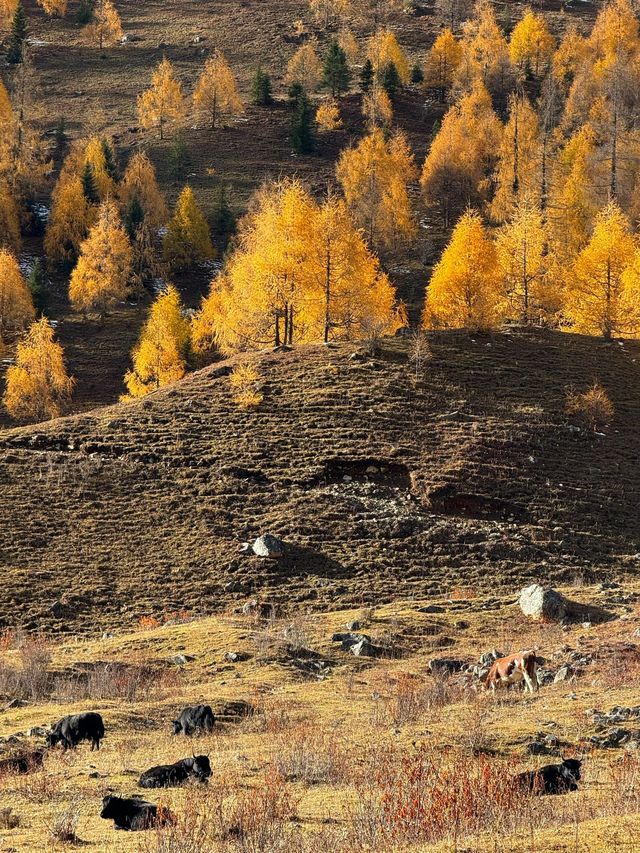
x: 309, y: 769
x: 141, y: 509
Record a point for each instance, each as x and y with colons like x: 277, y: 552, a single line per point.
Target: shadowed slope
x: 381, y: 485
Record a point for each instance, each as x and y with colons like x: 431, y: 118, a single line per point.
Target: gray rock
x: 445, y: 666
x: 353, y: 626
x: 431, y: 608
x: 235, y: 657
x: 268, y: 546
x: 545, y: 604
x: 544, y: 676
x: 36, y: 731
x: 565, y: 673
x: 488, y: 658
x: 181, y: 660
x: 539, y: 603
x: 364, y: 648
x: 60, y: 610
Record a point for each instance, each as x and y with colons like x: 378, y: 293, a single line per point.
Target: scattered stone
x: 431, y: 608
x: 347, y: 640
x: 565, y: 673
x: 445, y: 666
x: 461, y: 624
x: 268, y: 546
x: 615, y: 738
x: 235, y: 657
x: 353, y: 626
x: 366, y: 649
x: 36, y: 731
x: 544, y: 744
x: 545, y: 604
x: 181, y: 660
x: 234, y: 586
x: 15, y: 703
x: 60, y: 610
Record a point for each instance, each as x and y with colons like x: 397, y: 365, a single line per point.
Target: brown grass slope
x: 141, y: 508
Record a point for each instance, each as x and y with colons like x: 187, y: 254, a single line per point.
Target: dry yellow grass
x: 328, y: 731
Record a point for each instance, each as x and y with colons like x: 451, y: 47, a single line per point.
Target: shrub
x: 593, y: 408
x: 310, y: 755
x: 244, y: 381
x: 64, y: 824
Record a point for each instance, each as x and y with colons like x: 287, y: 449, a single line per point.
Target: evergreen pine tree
x: 37, y: 286
x: 110, y: 161
x: 302, y: 121
x: 60, y: 133
x: 133, y: 218
x: 89, y: 187
x: 223, y: 219
x: 17, y: 36
x: 366, y: 76
x: 335, y: 69
x: 261, y: 89
x: 417, y: 74
x: 390, y: 79
x: 85, y: 11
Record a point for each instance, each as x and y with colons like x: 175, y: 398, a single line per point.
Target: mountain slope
x: 381, y: 485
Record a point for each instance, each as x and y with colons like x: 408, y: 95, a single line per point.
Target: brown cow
x: 513, y: 669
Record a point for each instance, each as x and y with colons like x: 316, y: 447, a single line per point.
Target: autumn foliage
x: 163, y: 103
x: 16, y: 306
x: 161, y: 353
x: 301, y: 272
x: 38, y: 385
x: 101, y: 276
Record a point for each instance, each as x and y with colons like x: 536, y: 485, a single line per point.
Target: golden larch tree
x: 160, y: 356
x: 163, y: 102
x: 188, y: 240
x: 465, y: 290
x: 518, y: 168
x: 346, y: 295
x: 57, y: 8
x: 329, y: 12
x: 139, y: 182
x: 596, y: 299
x: 521, y: 253
x: 7, y: 11
x: 38, y: 385
x: 349, y: 44
x: 94, y: 155
x: 377, y: 107
x: 6, y: 108
x: 305, y: 68
x: 105, y: 27
x: 570, y: 54
x: 301, y: 272
x: 485, y: 52
x: 16, y: 305
x: 531, y: 44
x: 69, y: 222
x: 9, y: 219
x: 216, y: 96
x: 442, y: 62
x: 462, y: 155
x: 572, y: 208
x: 101, y: 276
x: 328, y: 117
x: 383, y: 49
x: 374, y: 176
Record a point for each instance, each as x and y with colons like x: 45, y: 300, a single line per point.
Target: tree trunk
x: 290, y: 326
x: 327, y: 297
